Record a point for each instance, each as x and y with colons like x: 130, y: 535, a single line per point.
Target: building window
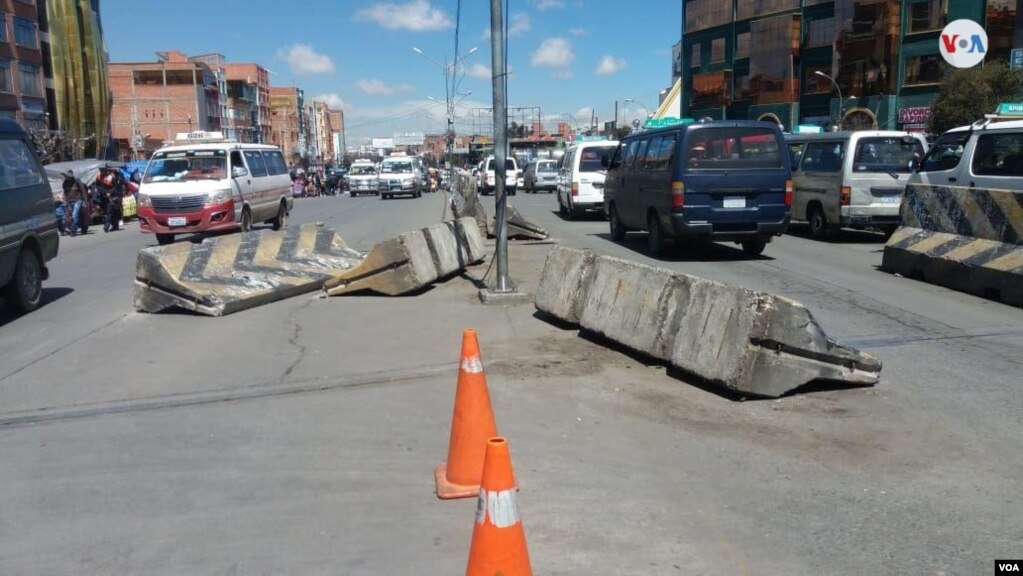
x: 710, y: 90
x: 924, y: 70
x: 147, y: 77
x: 28, y: 76
x: 695, y: 60
x: 750, y: 8
x: 180, y: 77
x: 703, y: 14
x: 927, y: 16
x: 5, y: 76
x: 820, y: 32
x: 1000, y: 25
x: 3, y: 27
x: 25, y: 33
x: 742, y: 45
x: 717, y: 50
x: 865, y: 45
x: 741, y: 89
x: 771, y: 64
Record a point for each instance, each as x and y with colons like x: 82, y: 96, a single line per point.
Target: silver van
x: 851, y: 179
x: 28, y: 227
x: 986, y: 155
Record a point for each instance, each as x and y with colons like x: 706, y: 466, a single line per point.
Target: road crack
x: 293, y: 340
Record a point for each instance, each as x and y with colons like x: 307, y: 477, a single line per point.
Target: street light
x: 449, y: 93
x: 841, y: 103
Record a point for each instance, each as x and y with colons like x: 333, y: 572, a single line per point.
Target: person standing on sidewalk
x: 73, y: 197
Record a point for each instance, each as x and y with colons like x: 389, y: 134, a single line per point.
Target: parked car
x: 29, y: 236
x: 853, y: 179
x: 726, y: 180
x: 986, y: 155
x: 541, y: 175
x: 580, y: 184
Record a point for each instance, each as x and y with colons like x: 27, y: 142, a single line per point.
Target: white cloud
x: 480, y: 71
x: 415, y: 15
x: 519, y: 24
x: 584, y: 112
x: 415, y: 115
x: 577, y: 31
x: 554, y: 53
x: 305, y: 61
x: 333, y: 101
x: 380, y: 88
x: 565, y: 74
x: 610, y: 65
x: 543, y: 5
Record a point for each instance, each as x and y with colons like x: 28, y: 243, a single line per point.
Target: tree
x: 967, y: 94
x: 622, y: 132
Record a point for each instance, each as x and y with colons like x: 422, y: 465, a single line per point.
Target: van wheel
x: 164, y: 239
x: 281, y: 220
x: 246, y: 220
x: 655, y: 236
x: 617, y: 229
x: 754, y: 247
x: 25, y: 290
x: 561, y: 207
x: 819, y: 227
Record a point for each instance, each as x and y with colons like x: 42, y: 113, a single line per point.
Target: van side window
x: 796, y: 153
x: 275, y: 164
x: 257, y: 167
x: 999, y: 155
x: 665, y: 152
x: 649, y: 161
x: 236, y: 160
x: 822, y: 157
x: 636, y: 162
x: 628, y: 153
x: 17, y: 167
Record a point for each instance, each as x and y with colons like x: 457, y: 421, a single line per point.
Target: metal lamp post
x: 841, y: 103
x: 449, y: 92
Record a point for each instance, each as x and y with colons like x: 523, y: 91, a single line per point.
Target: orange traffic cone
x: 498, y: 539
x: 471, y: 426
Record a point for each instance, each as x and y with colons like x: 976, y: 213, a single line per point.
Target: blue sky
x: 566, y: 56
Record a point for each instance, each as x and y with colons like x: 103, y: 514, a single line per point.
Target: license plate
x: 735, y: 202
x: 177, y: 221
x: 891, y: 199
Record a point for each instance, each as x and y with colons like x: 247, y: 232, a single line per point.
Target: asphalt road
x: 299, y: 437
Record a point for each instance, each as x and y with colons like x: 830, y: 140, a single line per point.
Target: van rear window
x: 886, y: 154
x: 592, y: 159
x: 732, y: 148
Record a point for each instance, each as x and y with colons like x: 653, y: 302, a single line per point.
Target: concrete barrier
x: 747, y: 341
x: 413, y: 260
x: 225, y: 274
x: 967, y: 239
x: 520, y: 227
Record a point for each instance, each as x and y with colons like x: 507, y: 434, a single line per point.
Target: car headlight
x: 218, y: 197
x: 143, y: 200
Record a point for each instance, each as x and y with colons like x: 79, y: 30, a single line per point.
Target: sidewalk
x: 623, y: 469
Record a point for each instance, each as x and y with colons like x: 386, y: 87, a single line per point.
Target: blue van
x: 726, y: 180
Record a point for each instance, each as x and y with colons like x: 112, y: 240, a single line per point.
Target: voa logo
x: 963, y: 43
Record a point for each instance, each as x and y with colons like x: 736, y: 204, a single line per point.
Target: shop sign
x: 917, y: 115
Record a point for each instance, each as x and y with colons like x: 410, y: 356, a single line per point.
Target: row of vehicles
x: 396, y: 175
x: 738, y: 181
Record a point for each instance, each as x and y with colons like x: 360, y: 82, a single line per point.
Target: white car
x: 488, y: 180
x: 581, y: 180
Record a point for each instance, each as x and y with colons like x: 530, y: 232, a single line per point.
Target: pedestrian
x: 112, y: 198
x: 73, y: 197
x: 318, y: 183
x: 60, y: 211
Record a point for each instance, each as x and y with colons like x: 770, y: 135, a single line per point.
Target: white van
x: 986, y: 155
x: 853, y: 179
x: 581, y: 177
x: 203, y: 182
x: 488, y: 178
x: 400, y: 174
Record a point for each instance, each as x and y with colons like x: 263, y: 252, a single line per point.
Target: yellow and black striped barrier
x: 225, y: 274
x: 967, y: 239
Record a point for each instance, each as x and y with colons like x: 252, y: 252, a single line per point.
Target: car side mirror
x: 914, y: 164
x: 239, y: 172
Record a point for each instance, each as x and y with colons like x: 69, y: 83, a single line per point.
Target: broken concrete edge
x: 750, y: 342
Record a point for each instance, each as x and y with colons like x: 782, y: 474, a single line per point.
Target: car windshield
x: 886, y: 154
x: 594, y: 159
x: 363, y: 171
x: 396, y: 167
x: 183, y: 165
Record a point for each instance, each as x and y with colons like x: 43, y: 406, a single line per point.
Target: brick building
x: 22, y: 95
x: 287, y: 119
x: 251, y: 83
x: 337, y: 136
x: 154, y: 101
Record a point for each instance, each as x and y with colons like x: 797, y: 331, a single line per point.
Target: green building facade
x: 857, y: 64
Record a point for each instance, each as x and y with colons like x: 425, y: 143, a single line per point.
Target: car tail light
x: 788, y: 193
x: 678, y: 194
x: 844, y: 196
x: 575, y: 189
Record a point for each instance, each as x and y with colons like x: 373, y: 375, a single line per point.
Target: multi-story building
x: 250, y: 84
x: 154, y: 101
x: 22, y: 94
x: 287, y: 118
x: 75, y: 73
x: 853, y: 63
x: 337, y: 126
